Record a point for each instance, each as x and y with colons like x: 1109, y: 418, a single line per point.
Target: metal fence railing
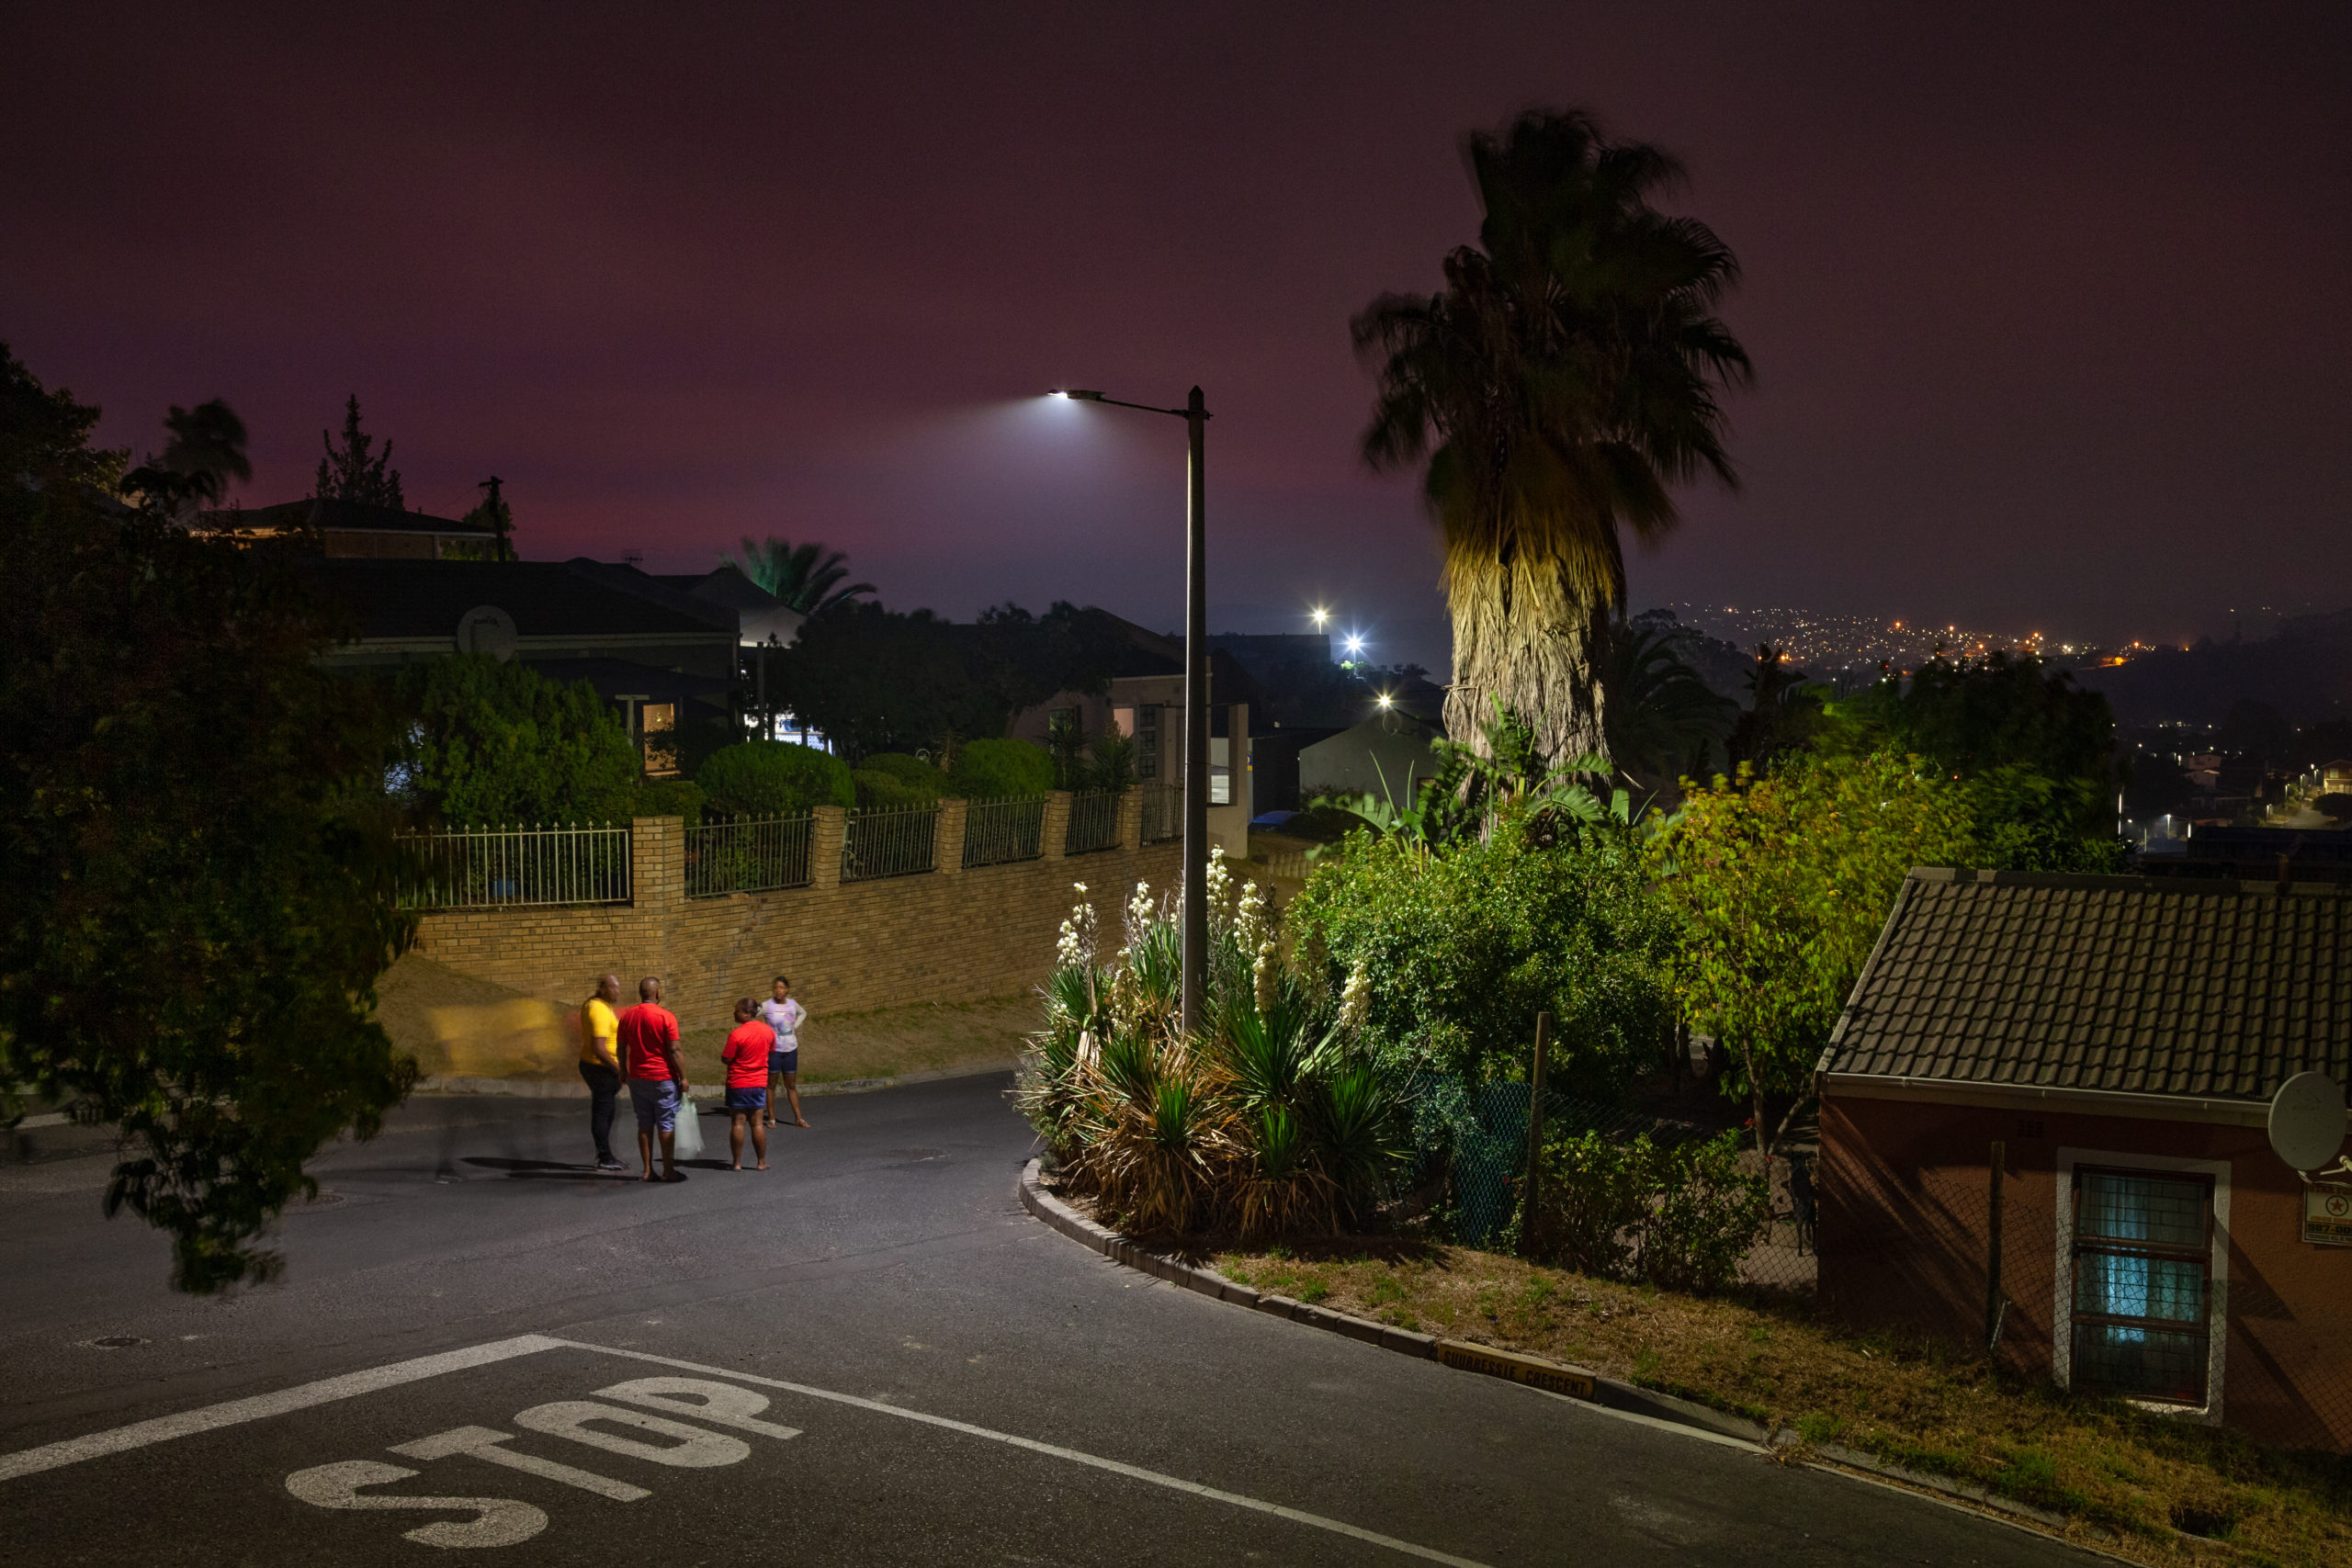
x: 496, y: 867
x: 896, y: 842
x: 753, y: 854
x: 997, y: 832
x: 1093, y: 822
x: 1163, y: 812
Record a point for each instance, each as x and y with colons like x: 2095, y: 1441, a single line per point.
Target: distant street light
x: 1195, y: 415
x: 1320, y: 616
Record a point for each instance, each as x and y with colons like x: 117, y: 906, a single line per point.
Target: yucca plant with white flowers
x: 1270, y: 1119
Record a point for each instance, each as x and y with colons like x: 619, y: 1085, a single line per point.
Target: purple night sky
x: 2050, y: 306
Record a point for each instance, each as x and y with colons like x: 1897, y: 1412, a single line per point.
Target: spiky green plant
x: 1363, y: 1144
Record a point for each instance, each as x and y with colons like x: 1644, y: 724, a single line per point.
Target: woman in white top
x: 784, y: 1015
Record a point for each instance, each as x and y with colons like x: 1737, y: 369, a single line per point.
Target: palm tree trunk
x: 1523, y: 635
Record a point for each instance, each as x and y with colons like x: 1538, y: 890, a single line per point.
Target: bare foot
x: 764, y: 1165
x: 799, y: 1124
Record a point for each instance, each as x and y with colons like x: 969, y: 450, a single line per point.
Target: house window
x: 661, y: 756
x: 1148, y: 741
x: 2142, y: 1261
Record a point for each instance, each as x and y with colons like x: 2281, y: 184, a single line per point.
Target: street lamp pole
x: 1196, y: 717
x: 1195, y: 883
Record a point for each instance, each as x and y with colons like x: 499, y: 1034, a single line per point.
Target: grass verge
x: 2148, y: 1488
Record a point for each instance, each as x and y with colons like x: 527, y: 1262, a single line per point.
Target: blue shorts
x: 783, y: 1061
x: 657, y: 1104
x: 747, y: 1100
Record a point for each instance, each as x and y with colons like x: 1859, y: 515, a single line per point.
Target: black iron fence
x: 750, y: 854
x: 500, y: 867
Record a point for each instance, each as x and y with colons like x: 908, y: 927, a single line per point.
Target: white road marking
x: 497, y: 1521
x: 484, y: 1443
x: 335, y: 1485
x: 1132, y: 1471
x: 694, y: 1448
x: 212, y: 1417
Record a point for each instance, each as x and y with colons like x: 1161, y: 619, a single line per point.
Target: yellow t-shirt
x: 600, y: 1030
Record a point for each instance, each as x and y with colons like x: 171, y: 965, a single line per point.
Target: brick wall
x: 949, y: 935
x: 1903, y: 1234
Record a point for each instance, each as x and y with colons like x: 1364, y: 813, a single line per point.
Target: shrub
x: 995, y: 770
x: 500, y: 743
x: 1678, y: 1216
x: 1461, y: 948
x: 891, y: 779
x: 671, y: 797
x: 774, y: 778
x: 1270, y: 1119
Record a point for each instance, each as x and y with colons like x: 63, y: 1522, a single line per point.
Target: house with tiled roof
x: 2044, y: 1130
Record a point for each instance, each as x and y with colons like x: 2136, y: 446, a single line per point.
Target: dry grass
x: 2122, y: 1478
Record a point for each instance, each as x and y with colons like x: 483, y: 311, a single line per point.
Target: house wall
x: 949, y: 935
x: 1904, y: 1192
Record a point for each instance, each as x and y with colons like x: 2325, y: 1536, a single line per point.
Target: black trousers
x: 604, y: 1090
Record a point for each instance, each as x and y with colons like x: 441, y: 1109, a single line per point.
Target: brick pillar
x: 825, y: 836
x: 949, y: 845
x: 657, y: 865
x: 1131, y: 820
x: 1055, y: 842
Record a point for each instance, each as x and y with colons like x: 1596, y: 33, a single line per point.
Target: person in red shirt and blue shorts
x: 657, y: 1077
x: 746, y: 1057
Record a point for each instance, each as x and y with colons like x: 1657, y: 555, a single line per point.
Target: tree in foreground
x: 201, y: 876
x: 1780, y: 886
x: 1559, y: 387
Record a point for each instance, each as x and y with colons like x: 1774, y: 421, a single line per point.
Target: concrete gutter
x: 1552, y: 1377
x: 574, y: 1088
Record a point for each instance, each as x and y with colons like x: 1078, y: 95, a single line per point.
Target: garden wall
x: 948, y: 936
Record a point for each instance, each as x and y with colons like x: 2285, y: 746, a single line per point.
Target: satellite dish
x: 488, y: 629
x: 2307, y: 1119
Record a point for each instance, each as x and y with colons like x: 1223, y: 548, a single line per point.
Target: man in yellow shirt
x: 600, y: 1065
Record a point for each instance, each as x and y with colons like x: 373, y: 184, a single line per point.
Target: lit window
x: 2143, y: 1270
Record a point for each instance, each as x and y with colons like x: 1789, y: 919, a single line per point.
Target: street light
x: 1320, y: 616
x: 1195, y: 415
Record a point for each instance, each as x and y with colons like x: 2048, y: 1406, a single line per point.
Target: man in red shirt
x: 657, y: 1078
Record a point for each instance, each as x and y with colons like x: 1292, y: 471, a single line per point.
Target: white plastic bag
x: 689, y: 1129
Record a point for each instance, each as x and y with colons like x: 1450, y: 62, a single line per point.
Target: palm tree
x: 1561, y: 383
x: 1663, y: 720
x: 801, y: 575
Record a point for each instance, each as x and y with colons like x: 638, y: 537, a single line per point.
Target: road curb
x: 1552, y: 1377
x: 574, y: 1088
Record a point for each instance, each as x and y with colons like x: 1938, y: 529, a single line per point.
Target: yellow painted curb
x: 1574, y: 1381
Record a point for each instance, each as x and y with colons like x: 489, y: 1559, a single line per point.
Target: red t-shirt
x: 747, y: 1054
x: 645, y: 1029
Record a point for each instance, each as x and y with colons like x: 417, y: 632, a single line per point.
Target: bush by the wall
x: 891, y: 779
x: 1680, y: 1215
x: 774, y: 778
x: 997, y: 770
x: 498, y: 743
x: 671, y: 797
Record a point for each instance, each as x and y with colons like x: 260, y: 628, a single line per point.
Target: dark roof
x: 726, y: 586
x: 346, y: 516
x: 2138, y: 985
x: 427, y: 598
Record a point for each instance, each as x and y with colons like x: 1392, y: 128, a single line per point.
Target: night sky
x: 2050, y: 307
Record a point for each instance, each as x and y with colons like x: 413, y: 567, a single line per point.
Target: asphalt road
x: 872, y: 1356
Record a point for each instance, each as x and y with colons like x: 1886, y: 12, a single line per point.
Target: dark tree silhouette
x: 803, y: 576
x: 350, y: 474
